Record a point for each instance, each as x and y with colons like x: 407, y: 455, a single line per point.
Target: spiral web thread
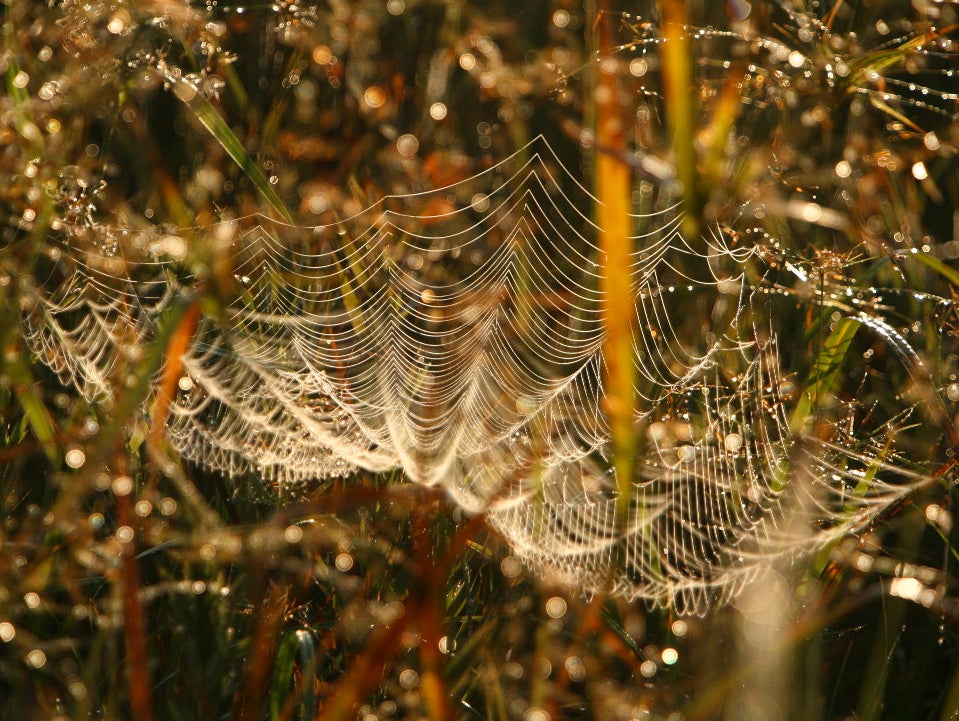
x: 465, y: 347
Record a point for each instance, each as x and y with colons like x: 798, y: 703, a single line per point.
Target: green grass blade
x: 947, y: 272
x: 824, y: 372
x: 218, y: 128
x: 306, y: 650
x: 35, y: 412
x: 23, y: 118
x: 282, y: 675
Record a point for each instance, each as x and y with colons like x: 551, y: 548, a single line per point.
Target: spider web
x: 457, y: 335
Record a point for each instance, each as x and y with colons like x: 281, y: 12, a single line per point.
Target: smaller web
x: 465, y: 347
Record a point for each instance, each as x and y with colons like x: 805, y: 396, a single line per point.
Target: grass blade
x: 614, y: 193
x: 824, y: 371
x: 218, y: 128
x: 947, y: 272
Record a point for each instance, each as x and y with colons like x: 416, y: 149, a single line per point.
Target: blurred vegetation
x: 132, y: 586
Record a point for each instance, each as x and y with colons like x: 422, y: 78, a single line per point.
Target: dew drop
x: 75, y: 458
x: 119, y: 22
x: 409, y: 679
x: 407, y: 145
x: 374, y: 96
x: 167, y: 506
x: 638, y: 67
x: 37, y: 658
x: 184, y: 90
x: 322, y: 55
x: 122, y: 485
x: 511, y: 566
x: 556, y: 607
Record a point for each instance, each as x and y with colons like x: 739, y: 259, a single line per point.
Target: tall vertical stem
x: 614, y: 192
x: 680, y: 106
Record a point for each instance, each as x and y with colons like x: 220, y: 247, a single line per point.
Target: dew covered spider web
x: 464, y: 345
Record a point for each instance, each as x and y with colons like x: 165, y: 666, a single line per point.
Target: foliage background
x: 131, y: 587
